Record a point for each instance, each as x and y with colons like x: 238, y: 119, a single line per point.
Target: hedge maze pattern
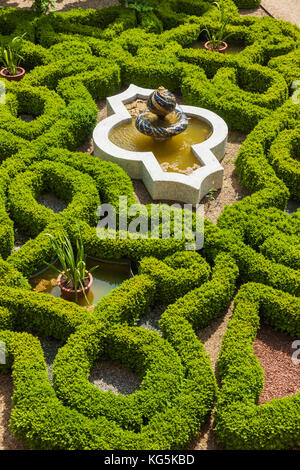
x: 74, y: 59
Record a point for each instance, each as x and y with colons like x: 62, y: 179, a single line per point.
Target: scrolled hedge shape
x: 283, y: 158
x: 45, y: 105
x: 76, y: 188
x: 149, y: 356
x: 175, y: 275
x: 87, y: 55
x: 240, y: 423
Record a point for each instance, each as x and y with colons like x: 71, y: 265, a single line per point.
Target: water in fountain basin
x: 106, y: 277
x: 173, y: 155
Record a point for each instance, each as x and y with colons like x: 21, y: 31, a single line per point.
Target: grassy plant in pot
x: 74, y: 279
x: 41, y: 7
x: 11, y: 59
x: 217, y: 36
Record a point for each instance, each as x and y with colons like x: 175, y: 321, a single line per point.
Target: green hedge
x: 146, y: 353
x: 240, y: 423
x: 230, y: 88
x: 205, y: 303
x: 175, y: 275
x: 283, y: 158
x: 175, y: 411
x: 75, y: 188
x: 288, y: 65
x: 44, y: 105
x: 72, y: 60
x: 40, y: 313
x: 247, y: 3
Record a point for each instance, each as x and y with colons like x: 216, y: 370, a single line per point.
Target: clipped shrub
x: 175, y: 275
x: 240, y: 423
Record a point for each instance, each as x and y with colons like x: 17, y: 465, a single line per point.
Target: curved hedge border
x: 146, y: 353
x: 45, y: 105
x: 72, y: 186
x: 179, y: 422
x: 282, y: 156
x: 83, y: 56
x: 176, y: 275
x: 240, y: 423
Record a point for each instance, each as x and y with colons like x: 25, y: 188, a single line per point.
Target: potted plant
x: 41, y: 7
x: 74, y: 279
x: 11, y: 58
x: 216, y: 37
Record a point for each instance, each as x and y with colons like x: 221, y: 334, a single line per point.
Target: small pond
x: 107, y: 277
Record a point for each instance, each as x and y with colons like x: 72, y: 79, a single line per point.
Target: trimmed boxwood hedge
x: 75, y: 188
x: 146, y: 353
x: 178, y: 401
x: 74, y: 59
x: 175, y: 275
x: 240, y: 423
x: 283, y: 157
x: 43, y: 104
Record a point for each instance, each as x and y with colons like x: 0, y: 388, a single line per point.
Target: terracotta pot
x: 13, y: 78
x: 70, y: 293
x: 221, y: 49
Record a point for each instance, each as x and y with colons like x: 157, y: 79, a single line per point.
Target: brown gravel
x: 274, y: 351
x: 110, y: 376
x: 61, y: 5
x: 288, y: 10
x: 259, y: 12
x: 211, y: 337
x: 232, y: 190
x: 7, y: 439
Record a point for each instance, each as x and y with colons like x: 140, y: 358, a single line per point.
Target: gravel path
x: 274, y: 351
x: 259, y: 12
x: 50, y: 348
x: 150, y: 321
x: 61, y: 5
x: 288, y: 10
x: 52, y: 202
x: 20, y: 239
x: 108, y: 375
x: 211, y: 337
x: 7, y: 440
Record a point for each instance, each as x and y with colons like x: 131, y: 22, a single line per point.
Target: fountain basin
x: 164, y: 185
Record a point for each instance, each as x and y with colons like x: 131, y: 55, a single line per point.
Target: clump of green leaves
x: 73, y: 263
x: 10, y: 55
x: 218, y: 34
x: 43, y: 6
x: 211, y: 194
x: 138, y: 5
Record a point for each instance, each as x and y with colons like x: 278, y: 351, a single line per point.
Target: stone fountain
x: 161, y: 121
x: 160, y: 127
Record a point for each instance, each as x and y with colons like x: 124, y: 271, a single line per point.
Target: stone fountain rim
x: 209, y: 152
